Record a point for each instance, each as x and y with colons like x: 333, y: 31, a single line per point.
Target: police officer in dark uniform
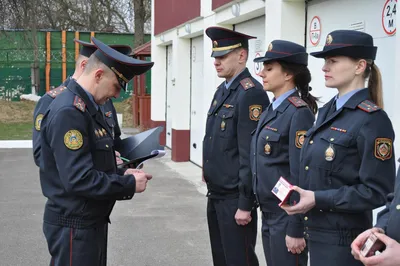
x: 233, y: 115
x: 387, y: 232
x: 276, y: 148
x: 108, y: 108
x: 346, y: 163
x: 78, y: 172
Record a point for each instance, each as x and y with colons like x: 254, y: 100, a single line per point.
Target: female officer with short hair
x: 276, y: 148
x: 347, y: 163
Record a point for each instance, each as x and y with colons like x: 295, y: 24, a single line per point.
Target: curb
x: 15, y: 144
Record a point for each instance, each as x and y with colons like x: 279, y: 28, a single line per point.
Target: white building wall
x: 369, y: 16
x: 282, y: 20
x: 158, y: 78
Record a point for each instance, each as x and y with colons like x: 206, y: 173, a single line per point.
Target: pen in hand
x: 124, y: 159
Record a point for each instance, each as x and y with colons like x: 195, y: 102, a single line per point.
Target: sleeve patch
x: 300, y: 136
x: 247, y: 83
x: 38, y: 121
x: 73, y: 139
x: 297, y: 101
x: 368, y: 106
x: 79, y: 104
x: 53, y: 93
x: 255, y: 112
x: 383, y: 148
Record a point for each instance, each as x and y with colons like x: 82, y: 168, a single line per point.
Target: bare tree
x: 79, y: 15
x: 142, y: 10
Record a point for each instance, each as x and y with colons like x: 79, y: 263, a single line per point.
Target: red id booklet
x: 282, y: 190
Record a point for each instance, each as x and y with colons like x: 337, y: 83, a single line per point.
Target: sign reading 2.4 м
x: 389, y: 17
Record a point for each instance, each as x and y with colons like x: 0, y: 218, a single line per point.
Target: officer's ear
x: 83, y: 64
x: 99, y: 74
x: 288, y: 76
x: 361, y: 65
x: 243, y: 55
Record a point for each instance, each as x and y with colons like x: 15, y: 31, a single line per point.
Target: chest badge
x: 267, y: 149
x: 223, y: 125
x: 330, y: 153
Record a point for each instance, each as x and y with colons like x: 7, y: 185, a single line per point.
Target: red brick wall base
x: 163, y: 133
x: 180, y: 145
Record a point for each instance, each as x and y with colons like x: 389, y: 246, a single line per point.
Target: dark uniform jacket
x: 43, y: 104
x: 276, y: 148
x: 347, y: 159
x: 226, y: 147
x: 389, y: 218
x: 78, y: 172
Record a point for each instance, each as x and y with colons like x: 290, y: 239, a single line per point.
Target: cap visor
x: 220, y: 53
x: 320, y: 54
x: 262, y: 59
x: 350, y: 51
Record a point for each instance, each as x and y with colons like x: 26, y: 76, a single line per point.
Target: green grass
x: 16, y: 118
x: 16, y: 131
x: 125, y: 109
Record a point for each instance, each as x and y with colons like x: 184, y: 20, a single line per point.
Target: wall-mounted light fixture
x: 162, y: 38
x: 188, y: 28
x: 235, y: 9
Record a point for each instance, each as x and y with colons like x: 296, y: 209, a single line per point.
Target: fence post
x: 91, y: 35
x: 64, y: 55
x: 48, y: 57
x: 35, y: 80
x: 76, y: 45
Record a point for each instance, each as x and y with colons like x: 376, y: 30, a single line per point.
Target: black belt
x: 77, y: 222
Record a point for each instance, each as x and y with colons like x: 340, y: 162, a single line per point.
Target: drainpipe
x: 305, y: 23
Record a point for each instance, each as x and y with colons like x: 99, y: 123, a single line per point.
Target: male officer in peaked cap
x: 78, y: 171
x: 108, y: 108
x: 235, y: 109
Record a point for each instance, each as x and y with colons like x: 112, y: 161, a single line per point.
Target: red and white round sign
x: 389, y: 17
x: 315, y: 30
x: 257, y: 66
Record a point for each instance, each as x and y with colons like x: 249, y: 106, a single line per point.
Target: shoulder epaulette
x: 368, y: 106
x: 247, y: 83
x: 53, y: 93
x: 297, y: 101
x: 79, y: 104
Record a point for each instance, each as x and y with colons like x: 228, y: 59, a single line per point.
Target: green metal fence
x: 19, y: 53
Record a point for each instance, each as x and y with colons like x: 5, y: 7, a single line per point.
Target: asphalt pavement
x: 166, y: 225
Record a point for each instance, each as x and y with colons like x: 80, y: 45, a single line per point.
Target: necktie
x: 224, y: 91
x: 270, y: 108
x: 332, y: 109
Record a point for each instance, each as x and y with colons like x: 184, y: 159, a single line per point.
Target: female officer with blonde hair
x: 347, y: 163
